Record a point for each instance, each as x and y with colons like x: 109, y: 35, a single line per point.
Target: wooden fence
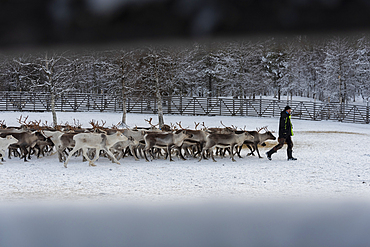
x: 26, y: 101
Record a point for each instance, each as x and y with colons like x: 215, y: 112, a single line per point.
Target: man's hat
x: 287, y: 108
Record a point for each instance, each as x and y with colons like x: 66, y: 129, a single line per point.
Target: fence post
x: 88, y: 102
x: 128, y: 104
x: 34, y: 101
x: 246, y: 101
x: 115, y: 104
x: 260, y: 113
x: 155, y: 106
x: 194, y: 106
x: 367, y: 112
x: 241, y: 101
x: 181, y: 105
x: 208, y: 103
x: 20, y: 102
x: 233, y: 114
x: 75, y: 104
x: 141, y: 105
x: 6, y: 101
x: 220, y: 105
x: 61, y: 101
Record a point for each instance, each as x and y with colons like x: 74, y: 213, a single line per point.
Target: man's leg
x: 276, y: 148
x: 290, y: 149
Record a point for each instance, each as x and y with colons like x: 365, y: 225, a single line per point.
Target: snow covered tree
x: 156, y: 69
x: 21, y: 73
x: 362, y: 65
x: 250, y: 73
x: 118, y: 70
x: 54, y: 78
x: 184, y: 75
x: 339, y: 69
x: 50, y: 74
x: 274, y: 62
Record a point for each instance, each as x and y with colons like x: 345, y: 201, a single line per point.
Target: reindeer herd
x: 34, y: 138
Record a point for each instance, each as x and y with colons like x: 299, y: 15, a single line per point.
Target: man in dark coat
x: 285, y: 134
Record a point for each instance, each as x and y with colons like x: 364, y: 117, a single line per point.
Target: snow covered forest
x: 335, y: 69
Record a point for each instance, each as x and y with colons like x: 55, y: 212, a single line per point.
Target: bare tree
x: 155, y: 66
x: 50, y: 74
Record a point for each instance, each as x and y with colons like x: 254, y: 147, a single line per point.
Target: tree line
x: 333, y: 68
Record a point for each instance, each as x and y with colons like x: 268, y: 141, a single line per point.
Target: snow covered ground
x: 286, y: 200
x: 333, y: 162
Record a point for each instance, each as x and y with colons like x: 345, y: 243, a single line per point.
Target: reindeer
x: 5, y: 143
x: 225, y: 141
x: 26, y: 141
x: 164, y: 140
x: 196, y: 142
x: 98, y: 142
x: 258, y: 139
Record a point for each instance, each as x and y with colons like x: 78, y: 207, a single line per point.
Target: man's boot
x: 290, y: 155
x: 269, y: 153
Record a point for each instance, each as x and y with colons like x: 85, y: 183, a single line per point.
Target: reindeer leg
x: 112, y: 156
x: 169, y: 152
x: 60, y: 156
x: 96, y: 157
x: 180, y: 153
x: 140, y: 149
x: 212, y: 156
x: 145, y: 150
x: 120, y: 154
x: 258, y: 152
x: 250, y: 148
x: 238, y: 150
x: 2, y: 152
x: 202, y: 154
x: 165, y: 155
x: 25, y: 153
x: 9, y: 152
x: 75, y: 149
x: 232, y: 153
x: 133, y: 152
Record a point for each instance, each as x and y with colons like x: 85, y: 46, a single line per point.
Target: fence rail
x: 317, y: 111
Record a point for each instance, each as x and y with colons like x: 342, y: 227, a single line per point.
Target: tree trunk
x: 124, y: 109
x: 210, y: 86
x: 340, y: 91
x: 159, y: 104
x: 53, y: 112
x: 159, y: 98
x: 52, y: 91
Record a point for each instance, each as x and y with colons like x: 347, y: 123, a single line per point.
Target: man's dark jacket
x: 285, y: 126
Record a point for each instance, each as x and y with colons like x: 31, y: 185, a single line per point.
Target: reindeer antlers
x: 173, y: 126
x: 232, y: 126
x: 22, y: 122
x: 150, y: 122
x: 179, y: 124
x: 77, y: 123
x: 96, y: 125
x: 2, y: 124
x: 30, y: 124
x: 262, y: 128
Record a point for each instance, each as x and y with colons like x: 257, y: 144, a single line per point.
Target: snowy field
x: 322, y: 199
